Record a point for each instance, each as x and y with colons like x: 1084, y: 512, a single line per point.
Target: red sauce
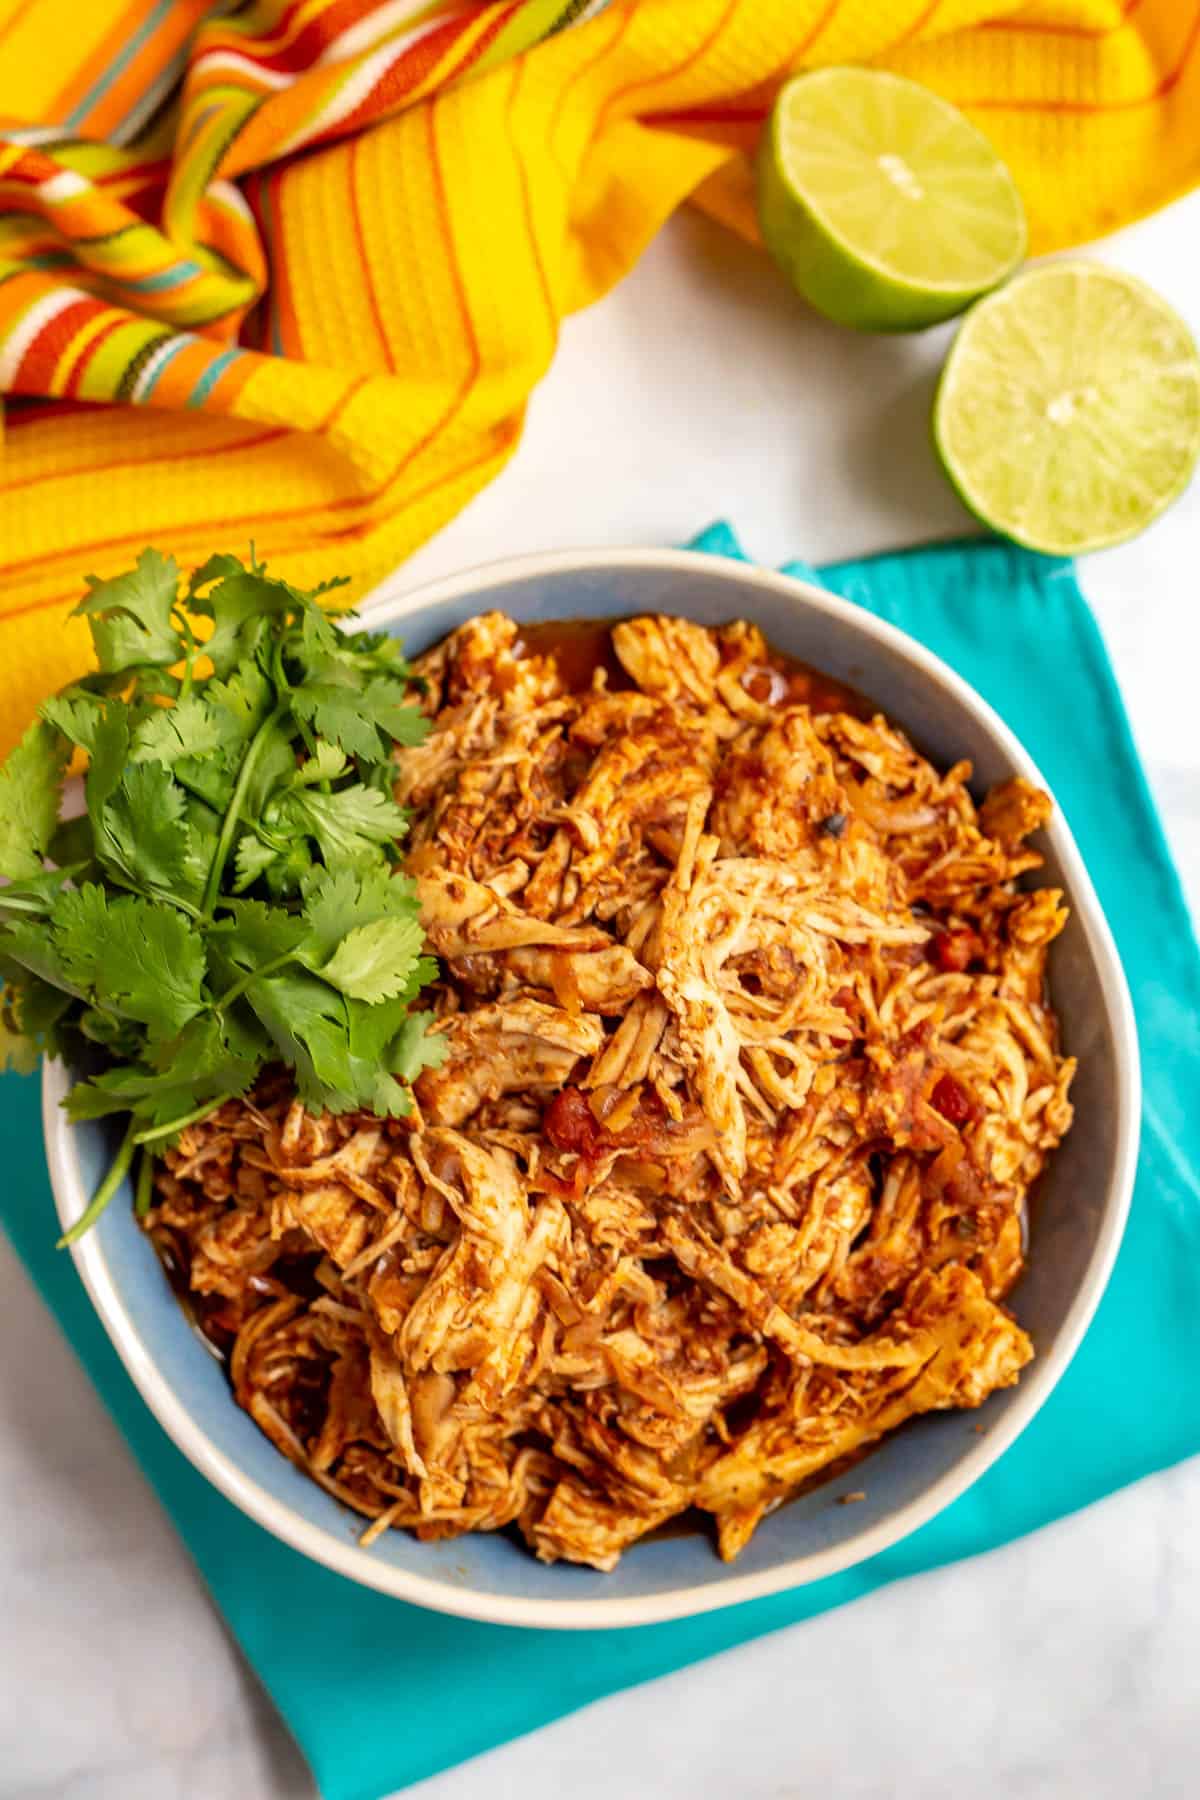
x: 200, y: 1310
x: 581, y: 646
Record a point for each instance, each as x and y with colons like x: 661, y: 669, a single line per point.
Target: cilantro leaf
x: 29, y: 902
x: 130, y: 615
x: 376, y: 962
x: 388, y: 1047
x: 327, y: 763
x: 77, y: 715
x: 235, y: 710
x: 364, y: 933
x: 250, y: 860
x: 31, y: 1012
x: 209, y: 778
x: 113, y: 1091
x: 201, y: 826
x: 337, y: 900
x: 142, y: 959
x: 122, y: 1038
x: 316, y: 636
x: 251, y: 933
x: 285, y: 876
x: 336, y: 713
x: 205, y: 1063
x: 395, y: 715
x: 143, y: 832
x: 37, y: 1007
x: 275, y: 766
x: 73, y: 843
x: 33, y: 948
x: 416, y: 1046
x: 358, y: 718
x: 210, y: 1051
x: 190, y: 728
x: 30, y: 790
x: 109, y: 752
x: 374, y: 651
x: 244, y: 699
x: 347, y: 1052
x: 347, y: 825
x: 239, y: 606
x: 308, y: 1023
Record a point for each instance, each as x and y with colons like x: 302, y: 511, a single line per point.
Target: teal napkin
x: 379, y: 1694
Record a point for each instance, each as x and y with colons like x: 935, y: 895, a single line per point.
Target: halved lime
x: 886, y: 208
x: 1068, y: 412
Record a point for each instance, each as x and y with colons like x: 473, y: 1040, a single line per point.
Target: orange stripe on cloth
x: 97, y: 95
x: 576, y: 77
x: 535, y: 248
x: 916, y: 26
x: 363, y: 254
x: 141, y: 462
x: 19, y: 13
x: 474, y: 361
x: 617, y: 103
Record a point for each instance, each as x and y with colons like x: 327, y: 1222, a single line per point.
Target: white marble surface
x: 1062, y: 1666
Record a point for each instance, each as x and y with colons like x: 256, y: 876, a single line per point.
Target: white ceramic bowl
x: 1080, y: 1210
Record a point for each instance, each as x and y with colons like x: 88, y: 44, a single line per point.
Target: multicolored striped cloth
x: 288, y: 270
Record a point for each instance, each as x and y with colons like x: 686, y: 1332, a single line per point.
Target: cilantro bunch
x: 228, y: 898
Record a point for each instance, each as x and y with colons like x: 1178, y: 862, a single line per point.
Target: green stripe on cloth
x: 129, y: 50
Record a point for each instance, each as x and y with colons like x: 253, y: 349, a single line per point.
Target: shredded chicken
x: 750, y: 1068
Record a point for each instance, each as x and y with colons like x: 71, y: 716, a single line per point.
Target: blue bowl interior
x: 1067, y: 1213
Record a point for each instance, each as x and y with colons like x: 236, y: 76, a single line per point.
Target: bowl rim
x: 388, y: 604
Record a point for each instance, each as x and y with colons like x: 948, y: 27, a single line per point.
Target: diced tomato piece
x: 570, y: 1124
x: 951, y: 1099
x: 954, y: 951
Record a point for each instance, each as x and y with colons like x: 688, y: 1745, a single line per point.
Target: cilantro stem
x: 194, y: 1117
x: 239, y: 987
x: 145, y: 1184
x: 233, y: 811
x: 21, y: 902
x: 104, y: 1193
x: 282, y: 685
x: 184, y: 626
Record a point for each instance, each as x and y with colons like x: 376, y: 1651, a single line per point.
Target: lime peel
x: 887, y: 209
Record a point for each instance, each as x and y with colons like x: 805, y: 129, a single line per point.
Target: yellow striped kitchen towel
x: 287, y: 270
